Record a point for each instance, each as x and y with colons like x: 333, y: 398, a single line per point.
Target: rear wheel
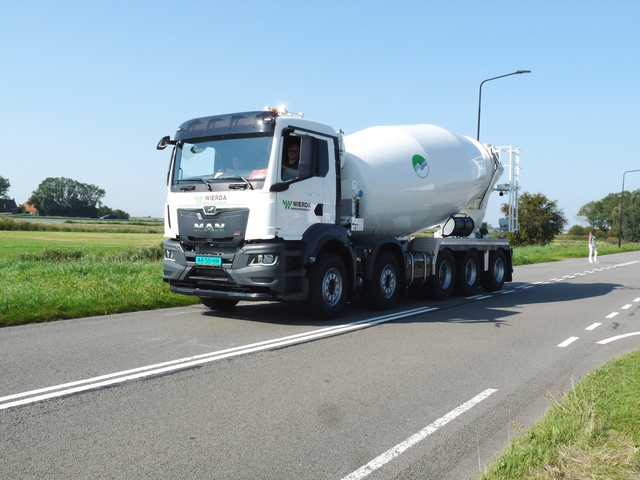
x: 494, y: 277
x: 441, y: 285
x: 218, y: 303
x: 383, y: 290
x: 327, y: 287
x: 468, y: 275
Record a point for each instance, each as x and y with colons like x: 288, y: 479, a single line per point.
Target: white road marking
x: 627, y: 306
x: 612, y: 314
x: 160, y: 368
x: 568, y: 341
x: 593, y: 326
x: 417, y: 437
x: 613, y: 339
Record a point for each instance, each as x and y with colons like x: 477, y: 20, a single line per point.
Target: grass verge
x: 593, y: 431
x: 65, y: 283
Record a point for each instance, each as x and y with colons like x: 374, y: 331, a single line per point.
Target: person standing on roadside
x: 593, y: 248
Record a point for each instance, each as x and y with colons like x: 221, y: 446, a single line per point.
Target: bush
x: 578, y: 231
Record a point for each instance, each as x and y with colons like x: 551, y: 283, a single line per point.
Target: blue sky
x: 87, y: 88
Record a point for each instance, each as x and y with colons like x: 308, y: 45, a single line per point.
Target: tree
x: 66, y: 197
x: 631, y: 216
x: 600, y: 214
x: 604, y: 214
x: 540, y: 220
x: 4, y: 187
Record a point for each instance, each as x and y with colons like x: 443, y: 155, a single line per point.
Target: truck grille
x: 210, y: 276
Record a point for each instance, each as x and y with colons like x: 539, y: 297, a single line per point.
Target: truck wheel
x: 382, y: 291
x: 468, y: 274
x: 218, y: 303
x: 327, y: 287
x: 441, y: 285
x: 494, y: 277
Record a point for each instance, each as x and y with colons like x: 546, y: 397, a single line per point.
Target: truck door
x: 310, y: 193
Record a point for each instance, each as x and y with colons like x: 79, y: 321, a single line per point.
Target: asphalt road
x: 428, y: 390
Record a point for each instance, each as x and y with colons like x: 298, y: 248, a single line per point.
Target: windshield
x: 216, y: 162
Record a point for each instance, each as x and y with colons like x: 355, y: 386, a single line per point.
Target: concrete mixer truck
x: 271, y: 206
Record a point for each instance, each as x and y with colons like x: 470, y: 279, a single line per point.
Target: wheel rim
x: 498, y: 270
x: 471, y: 272
x: 387, y: 282
x: 332, y: 287
x: 445, y: 275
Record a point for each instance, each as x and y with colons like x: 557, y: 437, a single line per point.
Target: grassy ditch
x: 564, y: 247
x: 593, y: 431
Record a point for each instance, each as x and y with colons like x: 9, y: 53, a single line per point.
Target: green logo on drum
x: 420, y: 165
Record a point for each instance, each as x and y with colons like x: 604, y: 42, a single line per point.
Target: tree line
x: 65, y: 197
x: 540, y: 219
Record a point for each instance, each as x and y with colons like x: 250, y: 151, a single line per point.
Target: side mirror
x: 279, y: 187
x: 164, y: 142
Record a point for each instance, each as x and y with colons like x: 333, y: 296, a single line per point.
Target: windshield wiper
x: 237, y: 186
x: 196, y: 179
x: 206, y: 182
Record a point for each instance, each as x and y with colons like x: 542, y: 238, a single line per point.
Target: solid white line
x: 627, y: 264
x: 613, y: 339
x: 159, y: 368
x: 568, y: 341
x: 593, y: 326
x: 417, y: 437
x: 611, y: 315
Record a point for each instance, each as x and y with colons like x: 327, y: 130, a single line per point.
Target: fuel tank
x: 412, y: 177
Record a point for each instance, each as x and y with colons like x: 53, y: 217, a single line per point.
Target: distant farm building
x: 8, y: 205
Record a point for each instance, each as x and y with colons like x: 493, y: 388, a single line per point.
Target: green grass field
x: 52, y: 275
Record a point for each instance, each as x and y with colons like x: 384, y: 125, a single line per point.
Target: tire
x: 327, y: 287
x: 441, y: 285
x: 494, y: 277
x: 218, y: 303
x: 468, y: 274
x: 382, y: 291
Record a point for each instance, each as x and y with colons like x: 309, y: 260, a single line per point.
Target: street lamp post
x: 519, y: 72
x: 621, y: 204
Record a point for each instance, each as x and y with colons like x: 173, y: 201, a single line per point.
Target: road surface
x: 427, y: 390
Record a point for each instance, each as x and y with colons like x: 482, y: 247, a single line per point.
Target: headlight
x: 169, y: 255
x: 263, y: 259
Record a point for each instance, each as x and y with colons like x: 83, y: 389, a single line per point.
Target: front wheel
x: 218, y: 303
x: 327, y: 287
x: 383, y: 290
